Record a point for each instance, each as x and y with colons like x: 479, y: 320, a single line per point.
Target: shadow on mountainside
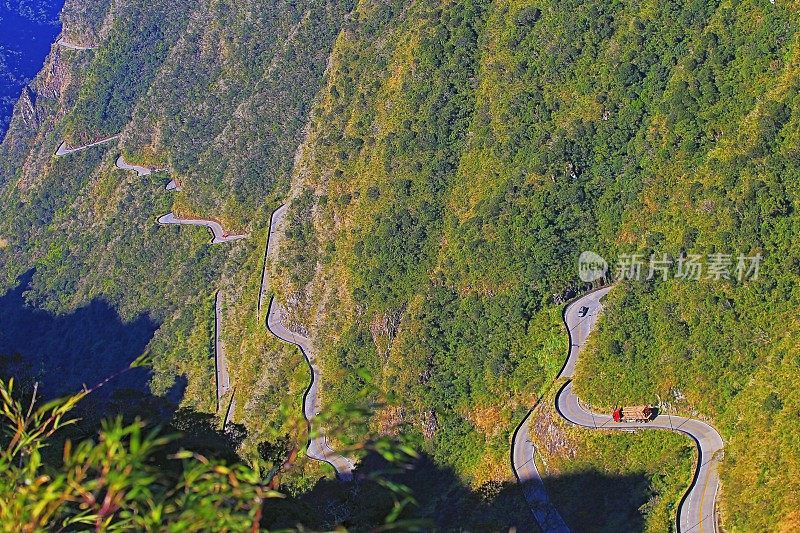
x: 29, y: 28
x: 601, y: 502
x: 444, y: 503
x: 65, y: 352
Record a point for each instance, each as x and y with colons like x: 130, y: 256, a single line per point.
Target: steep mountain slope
x: 88, y: 229
x: 464, y: 155
x: 246, y: 78
x: 445, y: 163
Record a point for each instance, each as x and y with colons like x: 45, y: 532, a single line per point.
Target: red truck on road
x: 636, y: 413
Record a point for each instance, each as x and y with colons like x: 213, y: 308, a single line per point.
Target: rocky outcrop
x: 53, y: 77
x: 27, y: 108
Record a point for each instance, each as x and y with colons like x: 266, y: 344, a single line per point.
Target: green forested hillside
x: 465, y: 155
x: 227, y: 109
x: 88, y: 229
x: 445, y: 164
x: 123, y: 68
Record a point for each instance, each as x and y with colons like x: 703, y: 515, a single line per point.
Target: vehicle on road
x: 636, y: 413
x: 583, y: 310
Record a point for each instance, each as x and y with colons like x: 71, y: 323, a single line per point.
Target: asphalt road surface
x: 221, y: 362
x: 216, y: 228
x: 66, y: 44
x: 697, y: 509
x: 223, y: 378
x: 318, y: 447
x: 272, y: 238
x: 522, y: 458
x: 146, y: 171
x: 139, y: 169
x: 64, y: 150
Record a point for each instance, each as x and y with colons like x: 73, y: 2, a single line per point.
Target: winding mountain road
x: 219, y: 233
x: 274, y: 221
x: 223, y: 378
x: 318, y: 446
x: 64, y: 150
x: 142, y: 171
x: 221, y: 362
x: 524, y: 465
x: 71, y: 46
x: 697, y: 509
